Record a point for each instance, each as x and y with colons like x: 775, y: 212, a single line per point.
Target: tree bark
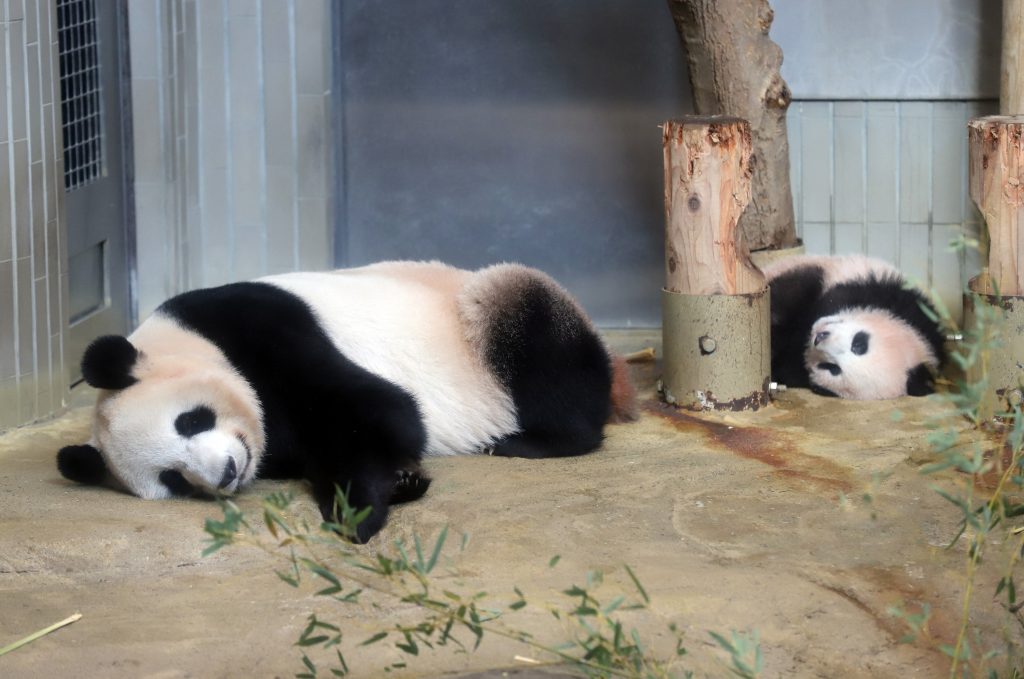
x: 996, y: 182
x: 707, y: 185
x: 734, y: 70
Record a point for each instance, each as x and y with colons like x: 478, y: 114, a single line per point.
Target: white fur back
x: 399, y: 320
x: 837, y: 269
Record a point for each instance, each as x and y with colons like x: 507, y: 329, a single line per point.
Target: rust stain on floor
x: 772, y: 447
x: 874, y: 590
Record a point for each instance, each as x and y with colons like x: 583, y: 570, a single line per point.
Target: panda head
x: 166, y: 425
x: 868, y: 354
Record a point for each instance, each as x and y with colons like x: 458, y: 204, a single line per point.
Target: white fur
x: 836, y: 269
x: 400, y: 320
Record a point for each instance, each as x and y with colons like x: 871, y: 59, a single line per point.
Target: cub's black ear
x: 920, y: 381
x: 83, y: 464
x: 107, y: 363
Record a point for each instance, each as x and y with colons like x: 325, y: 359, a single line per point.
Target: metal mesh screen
x: 80, y: 92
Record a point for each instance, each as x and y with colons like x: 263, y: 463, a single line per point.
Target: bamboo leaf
x: 639, y: 587
x: 374, y: 639
x: 437, y: 549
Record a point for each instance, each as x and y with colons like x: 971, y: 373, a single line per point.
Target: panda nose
x: 230, y: 473
x: 820, y: 337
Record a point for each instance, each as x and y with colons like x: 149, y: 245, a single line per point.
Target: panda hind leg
x: 544, y: 350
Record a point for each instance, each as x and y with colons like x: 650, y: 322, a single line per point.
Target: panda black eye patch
x: 195, y: 421
x: 859, y: 345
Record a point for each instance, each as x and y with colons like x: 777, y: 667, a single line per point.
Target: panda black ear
x: 83, y: 464
x: 107, y: 363
x: 920, y: 381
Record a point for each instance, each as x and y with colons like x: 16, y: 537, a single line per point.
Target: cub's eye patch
x: 195, y: 421
x: 859, y: 345
x: 831, y: 367
x: 176, y: 483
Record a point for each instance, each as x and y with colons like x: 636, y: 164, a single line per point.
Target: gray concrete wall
x: 233, y: 147
x: 890, y: 49
x: 33, y: 261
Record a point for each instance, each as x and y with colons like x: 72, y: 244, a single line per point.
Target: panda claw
x: 410, y: 484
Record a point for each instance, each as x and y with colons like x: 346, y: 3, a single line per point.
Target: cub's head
x: 167, y: 424
x: 869, y: 354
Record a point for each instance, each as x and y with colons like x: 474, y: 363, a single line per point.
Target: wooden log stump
x: 715, y: 305
x: 707, y: 186
x: 995, y: 298
x: 996, y: 179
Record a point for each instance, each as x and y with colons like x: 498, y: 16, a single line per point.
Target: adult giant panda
x: 850, y: 326
x: 346, y: 378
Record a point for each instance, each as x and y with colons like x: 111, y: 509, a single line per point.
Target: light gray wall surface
x: 33, y: 259
x: 890, y: 49
x: 888, y: 179
x: 233, y: 143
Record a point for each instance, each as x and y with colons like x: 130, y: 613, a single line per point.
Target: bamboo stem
x: 41, y: 633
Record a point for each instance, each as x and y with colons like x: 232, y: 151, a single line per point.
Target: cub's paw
x: 410, y: 484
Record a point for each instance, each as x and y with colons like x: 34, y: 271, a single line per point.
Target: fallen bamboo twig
x: 641, y: 356
x: 41, y: 633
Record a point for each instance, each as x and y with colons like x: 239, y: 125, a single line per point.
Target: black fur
x: 798, y: 301
x: 834, y: 369
x: 195, y: 421
x: 176, y: 483
x: 107, y: 363
x: 920, y: 381
x: 860, y: 343
x: 83, y: 464
x: 558, y: 373
x: 410, y: 485
x: 325, y: 418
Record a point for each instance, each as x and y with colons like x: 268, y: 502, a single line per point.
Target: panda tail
x: 623, y: 393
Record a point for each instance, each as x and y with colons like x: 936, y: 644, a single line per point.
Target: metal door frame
x: 95, y: 324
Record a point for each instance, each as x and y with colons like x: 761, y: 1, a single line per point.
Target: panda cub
x: 850, y: 326
x: 347, y: 379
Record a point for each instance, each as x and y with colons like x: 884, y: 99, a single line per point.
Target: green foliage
x: 599, y: 641
x: 985, y: 520
x: 745, y: 652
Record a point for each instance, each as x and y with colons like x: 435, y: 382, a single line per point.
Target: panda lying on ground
x: 849, y: 326
x: 346, y: 378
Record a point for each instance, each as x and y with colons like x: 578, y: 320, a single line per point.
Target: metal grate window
x: 80, y: 92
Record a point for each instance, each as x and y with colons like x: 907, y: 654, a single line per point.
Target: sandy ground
x: 754, y: 521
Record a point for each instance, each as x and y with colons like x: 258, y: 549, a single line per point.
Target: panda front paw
x: 410, y: 484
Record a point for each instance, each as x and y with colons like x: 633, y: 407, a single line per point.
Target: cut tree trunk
x: 996, y: 182
x: 734, y: 70
x: 707, y: 185
x: 1011, y: 81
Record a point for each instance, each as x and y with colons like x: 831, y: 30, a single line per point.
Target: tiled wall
x: 33, y: 263
x: 231, y: 103
x: 887, y: 178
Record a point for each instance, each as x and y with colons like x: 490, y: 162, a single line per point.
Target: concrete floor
x: 745, y: 521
